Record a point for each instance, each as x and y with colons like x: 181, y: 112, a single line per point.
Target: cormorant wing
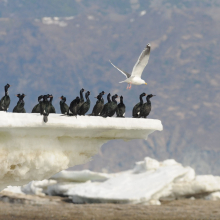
x: 141, y: 62
x: 122, y: 71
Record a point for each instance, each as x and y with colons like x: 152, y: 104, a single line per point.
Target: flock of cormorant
x: 80, y: 106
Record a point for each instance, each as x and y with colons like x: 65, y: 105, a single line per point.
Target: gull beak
x: 145, y: 83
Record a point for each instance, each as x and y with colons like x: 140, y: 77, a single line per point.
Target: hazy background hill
x: 59, y: 47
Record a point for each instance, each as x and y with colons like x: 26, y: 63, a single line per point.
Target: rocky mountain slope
x: 48, y: 48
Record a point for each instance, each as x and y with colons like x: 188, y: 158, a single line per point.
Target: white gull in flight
x: 135, y: 76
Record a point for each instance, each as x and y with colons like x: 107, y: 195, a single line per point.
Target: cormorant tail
x: 45, y: 118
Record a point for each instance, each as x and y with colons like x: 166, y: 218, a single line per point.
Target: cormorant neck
x: 141, y: 99
x: 148, y: 100
x: 6, y: 90
x: 113, y: 99
x: 81, y: 95
x: 109, y: 99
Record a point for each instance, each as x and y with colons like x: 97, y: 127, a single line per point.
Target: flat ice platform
x: 80, y: 126
x: 33, y: 150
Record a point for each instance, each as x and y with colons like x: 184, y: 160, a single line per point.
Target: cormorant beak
x: 60, y: 98
x: 145, y: 94
x: 145, y: 83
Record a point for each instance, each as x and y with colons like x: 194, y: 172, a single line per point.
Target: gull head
x: 142, y: 82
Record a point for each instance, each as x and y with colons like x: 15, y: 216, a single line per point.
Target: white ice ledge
x: 33, y: 150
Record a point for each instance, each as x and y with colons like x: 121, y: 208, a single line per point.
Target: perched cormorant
x: 106, y: 105
x: 52, y: 109
x: 36, y: 108
x: 102, y: 100
x: 120, y: 111
x: 85, y: 106
x: 45, y: 107
x: 19, y: 108
x: 137, y: 107
x: 112, y: 106
x: 63, y: 106
x: 81, y: 98
x: 5, y: 101
x: 146, y: 107
x: 97, y: 109
x: 74, y: 107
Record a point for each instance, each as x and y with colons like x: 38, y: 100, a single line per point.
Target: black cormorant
x: 111, y: 107
x: 74, y: 107
x: 52, y: 109
x: 97, y: 109
x: 63, y: 106
x: 45, y: 107
x: 146, y: 107
x: 137, y: 107
x: 19, y: 108
x: 85, y: 106
x: 36, y: 108
x: 81, y: 98
x: 102, y: 100
x: 5, y: 100
x: 106, y: 105
x: 120, y: 111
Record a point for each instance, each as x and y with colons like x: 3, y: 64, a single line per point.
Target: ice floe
x: 148, y: 183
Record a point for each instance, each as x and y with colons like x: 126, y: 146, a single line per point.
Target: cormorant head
x: 102, y: 93
x: 121, y: 98
x: 23, y: 95
x: 82, y: 90
x: 114, y: 97
x: 143, y: 94
x: 63, y: 98
x: 18, y: 95
x: 150, y: 96
x: 87, y: 94
x: 6, y: 87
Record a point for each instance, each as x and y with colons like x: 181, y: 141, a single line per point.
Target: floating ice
x: 32, y: 150
x: 148, y: 183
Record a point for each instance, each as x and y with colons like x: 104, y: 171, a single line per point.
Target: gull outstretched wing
x: 122, y: 71
x: 141, y: 62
